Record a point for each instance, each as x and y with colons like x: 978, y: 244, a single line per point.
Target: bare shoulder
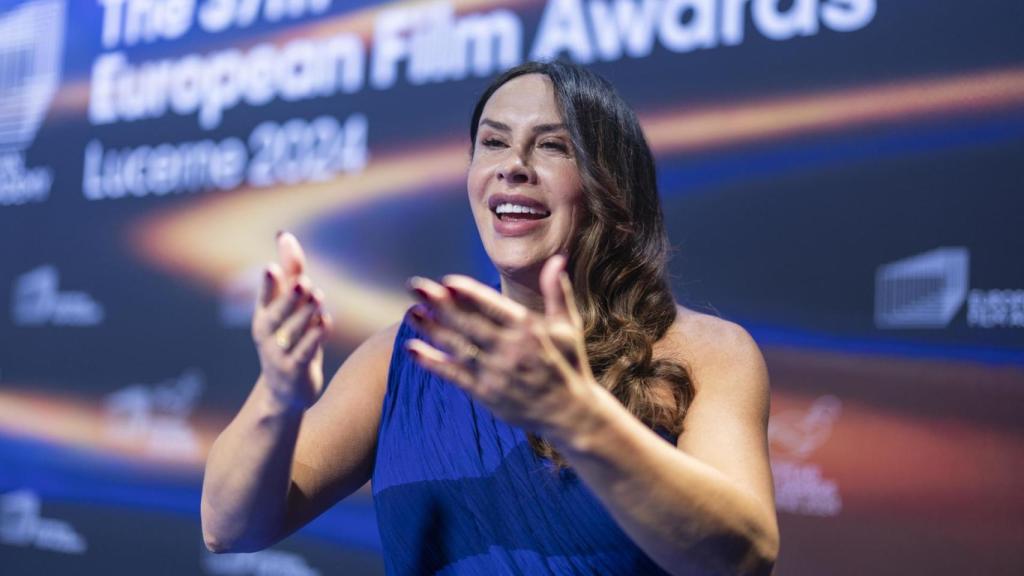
x: 366, y: 368
x: 710, y: 346
x: 726, y: 425
x: 374, y: 352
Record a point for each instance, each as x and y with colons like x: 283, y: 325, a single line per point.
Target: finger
x: 440, y: 363
x: 460, y: 348
x: 311, y: 340
x: 282, y: 307
x: 557, y: 357
x: 293, y: 259
x: 570, y: 300
x: 555, y: 305
x: 487, y: 301
x: 272, y: 284
x: 297, y: 322
x: 466, y: 320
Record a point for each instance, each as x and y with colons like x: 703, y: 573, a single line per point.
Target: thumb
x: 559, y: 302
x: 293, y: 259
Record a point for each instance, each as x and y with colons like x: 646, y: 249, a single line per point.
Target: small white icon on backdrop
x: 154, y: 417
x: 923, y: 291
x: 21, y: 525
x: 37, y: 300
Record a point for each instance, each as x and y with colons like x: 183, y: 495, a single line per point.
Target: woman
x: 520, y: 431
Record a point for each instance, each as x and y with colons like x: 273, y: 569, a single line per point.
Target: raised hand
x: 529, y: 369
x: 289, y: 327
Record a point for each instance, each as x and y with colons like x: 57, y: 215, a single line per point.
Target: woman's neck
x: 525, y: 291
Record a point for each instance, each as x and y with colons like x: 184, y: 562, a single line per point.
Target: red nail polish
x: 421, y: 293
x: 298, y: 288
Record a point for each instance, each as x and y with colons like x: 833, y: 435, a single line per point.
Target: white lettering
x: 848, y: 15
x: 800, y: 20
x: 208, y: 86
x: 19, y: 185
x: 995, y: 309
x: 297, y: 151
x: 490, y: 42
x: 733, y: 21
x: 688, y: 25
x: 626, y: 22
x: 435, y: 46
x: 563, y: 28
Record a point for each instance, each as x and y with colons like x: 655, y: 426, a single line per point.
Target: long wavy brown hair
x: 618, y: 263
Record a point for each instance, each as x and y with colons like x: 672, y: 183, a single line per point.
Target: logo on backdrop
x: 37, y: 300
x: 923, y: 291
x: 795, y: 435
x: 257, y: 563
x: 928, y: 290
x: 154, y: 417
x: 21, y: 525
x: 31, y: 48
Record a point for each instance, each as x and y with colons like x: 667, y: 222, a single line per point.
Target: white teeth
x: 509, y: 208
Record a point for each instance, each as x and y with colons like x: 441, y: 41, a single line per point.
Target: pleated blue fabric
x: 459, y: 492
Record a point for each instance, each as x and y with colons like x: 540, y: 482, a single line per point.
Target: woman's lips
x: 512, y: 226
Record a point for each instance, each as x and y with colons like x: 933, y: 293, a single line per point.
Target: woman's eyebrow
x: 538, y: 129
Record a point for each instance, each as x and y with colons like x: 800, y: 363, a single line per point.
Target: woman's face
x: 524, y: 186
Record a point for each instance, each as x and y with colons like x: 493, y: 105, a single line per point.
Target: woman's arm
x: 272, y: 470
x: 707, y: 505
x: 276, y: 465
x: 704, y: 506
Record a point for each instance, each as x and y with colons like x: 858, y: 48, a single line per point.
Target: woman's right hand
x: 289, y: 326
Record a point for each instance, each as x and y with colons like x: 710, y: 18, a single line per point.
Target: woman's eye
x: 491, y: 143
x: 555, y: 145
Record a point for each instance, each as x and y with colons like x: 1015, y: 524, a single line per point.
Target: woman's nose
x: 515, y: 171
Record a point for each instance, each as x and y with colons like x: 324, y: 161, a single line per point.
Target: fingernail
x: 418, y: 313
x: 412, y: 351
x: 298, y: 288
x: 278, y: 235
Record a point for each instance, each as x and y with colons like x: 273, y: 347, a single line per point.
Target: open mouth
x: 511, y: 212
x: 513, y: 208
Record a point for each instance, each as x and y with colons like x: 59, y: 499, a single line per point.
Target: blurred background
x: 841, y: 177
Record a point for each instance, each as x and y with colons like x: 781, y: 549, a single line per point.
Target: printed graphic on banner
x: 21, y: 525
x: 800, y: 486
x: 37, y: 300
x: 923, y: 291
x: 153, y: 418
x: 928, y: 290
x: 31, y: 48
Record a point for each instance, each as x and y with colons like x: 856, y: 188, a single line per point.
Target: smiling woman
x: 520, y: 430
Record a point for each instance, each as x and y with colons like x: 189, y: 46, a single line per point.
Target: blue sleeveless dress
x: 459, y: 492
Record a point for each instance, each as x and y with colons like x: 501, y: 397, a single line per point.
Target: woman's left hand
x: 531, y: 370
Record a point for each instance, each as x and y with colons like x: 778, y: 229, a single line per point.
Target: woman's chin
x: 520, y: 266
